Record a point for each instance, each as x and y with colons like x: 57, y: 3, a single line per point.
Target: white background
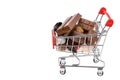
x: 25, y: 39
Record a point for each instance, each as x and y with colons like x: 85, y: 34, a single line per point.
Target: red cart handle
x: 110, y: 21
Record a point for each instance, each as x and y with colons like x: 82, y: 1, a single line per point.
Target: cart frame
x: 95, y: 51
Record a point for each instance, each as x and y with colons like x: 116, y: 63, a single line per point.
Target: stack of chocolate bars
x: 76, y: 25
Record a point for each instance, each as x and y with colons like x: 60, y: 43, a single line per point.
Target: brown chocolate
x: 69, y: 26
x: 71, y: 45
x: 85, y: 26
x: 78, y: 40
x: 88, y: 22
x: 91, y: 40
x: 75, y: 33
x: 93, y: 24
x: 76, y: 26
x: 85, y: 21
x: 62, y: 29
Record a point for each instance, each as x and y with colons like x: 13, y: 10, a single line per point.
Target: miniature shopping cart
x: 79, y: 50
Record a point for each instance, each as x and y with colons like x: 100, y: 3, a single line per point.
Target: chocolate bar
x: 93, y: 24
x: 71, y: 45
x: 85, y: 26
x: 88, y: 22
x: 91, y: 40
x: 84, y: 21
x: 79, y: 40
x: 67, y: 27
x: 62, y: 29
x: 78, y: 31
x: 75, y: 27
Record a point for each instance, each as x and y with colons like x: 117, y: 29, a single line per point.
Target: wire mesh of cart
x: 85, y: 49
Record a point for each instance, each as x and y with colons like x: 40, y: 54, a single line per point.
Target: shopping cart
x: 79, y: 50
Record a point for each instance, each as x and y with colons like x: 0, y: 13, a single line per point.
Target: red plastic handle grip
x: 110, y: 21
x: 53, y: 40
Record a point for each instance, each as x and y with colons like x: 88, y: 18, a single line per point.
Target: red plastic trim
x: 102, y: 11
x: 110, y: 21
x: 76, y: 47
x: 53, y: 39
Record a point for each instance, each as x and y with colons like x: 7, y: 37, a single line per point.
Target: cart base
x: 63, y: 65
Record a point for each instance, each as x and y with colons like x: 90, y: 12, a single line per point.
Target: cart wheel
x: 100, y: 73
x: 62, y: 71
x: 57, y: 25
x: 95, y: 60
x: 62, y: 62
